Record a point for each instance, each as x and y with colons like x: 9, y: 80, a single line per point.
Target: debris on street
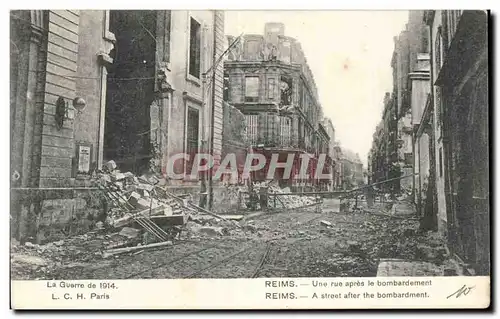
x: 297, y: 242
x: 143, y: 217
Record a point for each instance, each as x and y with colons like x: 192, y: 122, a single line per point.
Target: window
x: 252, y: 128
x: 285, y: 130
x: 193, y: 123
x: 286, y: 90
x: 440, y: 162
x: 271, y: 87
x: 251, y: 89
x: 227, y: 88
x: 195, y: 48
x: 301, y: 96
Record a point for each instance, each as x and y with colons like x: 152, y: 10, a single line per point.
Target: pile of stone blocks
x: 131, y: 194
x: 288, y: 201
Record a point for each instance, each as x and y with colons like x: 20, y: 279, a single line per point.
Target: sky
x: 349, y: 53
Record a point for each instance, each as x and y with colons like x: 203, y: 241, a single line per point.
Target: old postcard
x: 210, y: 159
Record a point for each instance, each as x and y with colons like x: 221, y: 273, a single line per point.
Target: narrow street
x: 292, y: 243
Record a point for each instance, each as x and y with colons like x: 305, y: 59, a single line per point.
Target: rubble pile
x: 31, y: 261
x: 141, y: 201
x: 129, y: 194
x: 286, y: 201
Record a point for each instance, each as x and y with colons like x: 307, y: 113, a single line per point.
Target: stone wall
x: 57, y: 149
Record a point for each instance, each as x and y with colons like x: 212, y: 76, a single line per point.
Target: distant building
x: 332, y: 153
x: 410, y: 42
x: 352, y: 169
x: 268, y: 79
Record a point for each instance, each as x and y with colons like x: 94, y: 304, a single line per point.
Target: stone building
x: 410, y: 42
x: 421, y: 120
x: 332, y: 153
x: 338, y: 166
x: 390, y: 147
x: 440, y: 68
x: 352, y: 169
x: 423, y: 138
x: 459, y: 100
x: 91, y: 86
x: 376, y: 159
x: 385, y: 167
x: 270, y: 82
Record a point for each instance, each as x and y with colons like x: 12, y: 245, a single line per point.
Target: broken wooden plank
x: 203, y: 210
x: 112, y: 252
x: 326, y: 223
x: 234, y: 217
x: 172, y: 220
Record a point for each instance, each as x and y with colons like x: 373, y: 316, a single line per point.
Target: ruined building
x: 440, y: 67
x: 410, y: 42
x: 268, y: 79
x: 459, y: 103
x: 91, y: 86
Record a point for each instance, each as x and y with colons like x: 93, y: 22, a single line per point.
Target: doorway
x: 130, y: 90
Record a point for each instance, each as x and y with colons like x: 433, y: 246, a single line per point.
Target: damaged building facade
x: 459, y: 100
x: 384, y: 151
x: 392, y: 153
x: 410, y: 42
x: 442, y: 71
x: 88, y: 86
x: 269, y: 81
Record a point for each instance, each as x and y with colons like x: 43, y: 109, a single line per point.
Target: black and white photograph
x: 222, y: 144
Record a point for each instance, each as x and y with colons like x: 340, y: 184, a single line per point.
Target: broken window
x: 271, y: 88
x: 286, y: 90
x: 251, y: 89
x: 285, y: 51
x: 195, y: 48
x: 253, y: 50
x: 193, y: 123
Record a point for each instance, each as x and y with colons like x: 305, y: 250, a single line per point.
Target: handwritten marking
x: 463, y: 291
